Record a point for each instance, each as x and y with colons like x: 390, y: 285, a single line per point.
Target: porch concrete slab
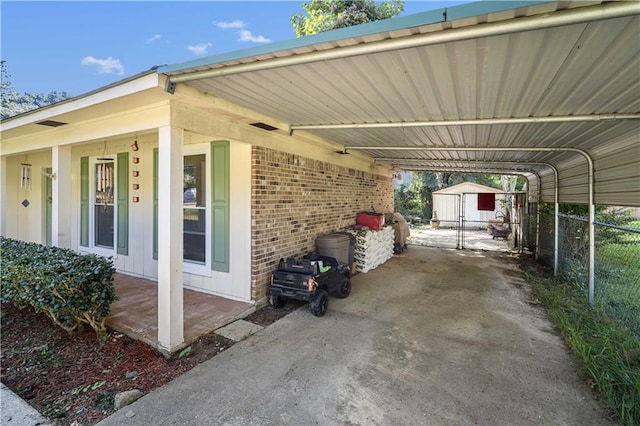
x: 432, y: 337
x: 238, y: 330
x: 136, y: 312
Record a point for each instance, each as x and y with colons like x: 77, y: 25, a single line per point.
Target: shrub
x: 70, y: 288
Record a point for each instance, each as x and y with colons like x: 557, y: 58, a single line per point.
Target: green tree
x: 423, y: 184
x: 14, y: 103
x: 325, y: 15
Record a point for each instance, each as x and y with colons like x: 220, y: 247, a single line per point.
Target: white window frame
x: 102, y: 251
x: 190, y: 267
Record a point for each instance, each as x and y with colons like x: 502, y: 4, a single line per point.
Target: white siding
x: 446, y: 204
x: 26, y: 223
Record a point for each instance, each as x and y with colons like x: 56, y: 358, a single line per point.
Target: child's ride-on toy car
x: 311, y: 279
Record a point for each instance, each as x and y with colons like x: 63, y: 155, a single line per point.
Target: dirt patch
x: 269, y: 314
x: 73, y: 378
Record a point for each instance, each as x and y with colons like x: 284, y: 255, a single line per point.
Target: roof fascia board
x: 133, y: 121
x: 385, y: 25
x: 147, y: 81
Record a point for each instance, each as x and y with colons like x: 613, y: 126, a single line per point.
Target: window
x: 205, y: 204
x: 195, y: 208
x: 104, y: 207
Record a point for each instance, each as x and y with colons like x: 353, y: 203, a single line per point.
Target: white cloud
x: 105, y: 66
x: 233, y: 24
x: 154, y: 38
x: 200, y: 48
x: 245, y: 35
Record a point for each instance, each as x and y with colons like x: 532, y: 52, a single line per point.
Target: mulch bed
x: 74, y: 377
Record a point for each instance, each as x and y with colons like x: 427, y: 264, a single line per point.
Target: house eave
x: 136, y: 84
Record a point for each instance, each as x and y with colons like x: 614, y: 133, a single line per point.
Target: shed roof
x: 523, y: 87
x: 467, y: 188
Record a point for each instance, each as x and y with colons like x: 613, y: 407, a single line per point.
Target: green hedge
x: 72, y: 289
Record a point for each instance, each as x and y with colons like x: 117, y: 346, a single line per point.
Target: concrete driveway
x: 432, y: 337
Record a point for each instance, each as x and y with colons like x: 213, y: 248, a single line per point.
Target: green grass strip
x: 609, y: 355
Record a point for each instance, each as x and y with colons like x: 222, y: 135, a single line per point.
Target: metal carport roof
x: 522, y: 87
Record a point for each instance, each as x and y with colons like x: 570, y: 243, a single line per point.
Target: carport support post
x: 460, y: 225
x: 538, y: 201
x: 170, y: 243
x: 592, y: 247
x: 61, y: 197
x: 556, y: 248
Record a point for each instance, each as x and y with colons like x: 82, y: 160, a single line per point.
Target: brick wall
x: 294, y: 199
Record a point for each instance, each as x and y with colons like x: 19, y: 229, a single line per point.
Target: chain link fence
x: 617, y: 260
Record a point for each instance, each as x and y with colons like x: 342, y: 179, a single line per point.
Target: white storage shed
x: 447, y: 204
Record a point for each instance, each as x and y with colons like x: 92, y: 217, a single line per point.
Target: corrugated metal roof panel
x: 586, y: 67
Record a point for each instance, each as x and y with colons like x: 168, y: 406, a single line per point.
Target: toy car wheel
x: 345, y: 288
x: 277, y: 301
x: 319, y: 304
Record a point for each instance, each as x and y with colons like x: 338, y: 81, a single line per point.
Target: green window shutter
x: 84, y: 201
x: 122, y: 182
x: 220, y: 206
x: 155, y: 203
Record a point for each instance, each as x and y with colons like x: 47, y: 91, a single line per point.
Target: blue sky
x: 77, y: 46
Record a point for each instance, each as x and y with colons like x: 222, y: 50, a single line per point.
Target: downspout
x: 530, y: 23
x: 591, y: 189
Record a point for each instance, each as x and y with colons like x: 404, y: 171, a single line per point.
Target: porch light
x: 134, y: 146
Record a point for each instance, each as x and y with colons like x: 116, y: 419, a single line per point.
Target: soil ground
x: 72, y: 378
